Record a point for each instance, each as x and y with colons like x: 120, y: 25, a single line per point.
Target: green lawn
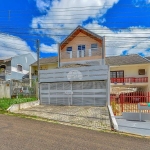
x: 6, y: 102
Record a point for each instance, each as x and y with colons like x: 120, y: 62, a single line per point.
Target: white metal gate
x: 92, y: 93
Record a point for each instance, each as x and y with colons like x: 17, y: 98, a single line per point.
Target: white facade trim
x: 14, y: 69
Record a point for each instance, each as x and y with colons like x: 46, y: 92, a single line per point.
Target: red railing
x: 129, y: 80
x: 128, y: 102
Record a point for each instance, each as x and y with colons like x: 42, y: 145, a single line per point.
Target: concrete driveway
x: 134, y: 127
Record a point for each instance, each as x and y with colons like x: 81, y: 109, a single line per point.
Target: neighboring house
x: 129, y: 73
x: 82, y: 76
x: 45, y: 64
x: 15, y: 67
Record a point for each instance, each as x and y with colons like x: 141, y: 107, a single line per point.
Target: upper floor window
x: 19, y: 68
x: 69, y: 49
x: 94, y: 46
x: 81, y: 47
x: 116, y: 74
x: 81, y: 51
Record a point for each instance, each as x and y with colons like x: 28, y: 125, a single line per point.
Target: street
x: 27, y: 134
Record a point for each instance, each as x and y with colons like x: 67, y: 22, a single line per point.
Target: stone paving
x: 93, y: 117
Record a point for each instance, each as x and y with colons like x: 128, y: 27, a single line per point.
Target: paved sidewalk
x: 27, y: 134
x: 135, y: 127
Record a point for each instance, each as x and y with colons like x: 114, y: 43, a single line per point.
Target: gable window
x: 81, y: 51
x: 94, y: 46
x: 69, y: 49
x: 19, y: 68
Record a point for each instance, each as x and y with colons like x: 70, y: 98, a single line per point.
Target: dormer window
x: 19, y: 68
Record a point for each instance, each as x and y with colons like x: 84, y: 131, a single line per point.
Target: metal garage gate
x: 83, y: 93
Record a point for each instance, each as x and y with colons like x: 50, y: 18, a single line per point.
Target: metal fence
x: 128, y: 102
x: 23, y: 88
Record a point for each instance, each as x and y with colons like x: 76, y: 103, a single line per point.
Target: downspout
x: 103, y: 51
x: 58, y: 55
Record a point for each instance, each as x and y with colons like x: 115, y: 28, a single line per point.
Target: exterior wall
x: 78, y: 40
x: 132, y: 71
x: 4, y: 91
x: 23, y: 60
x: 42, y: 67
x: 8, y: 70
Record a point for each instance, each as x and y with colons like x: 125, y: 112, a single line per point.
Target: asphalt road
x: 27, y: 134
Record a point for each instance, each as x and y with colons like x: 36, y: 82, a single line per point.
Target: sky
x: 124, y: 23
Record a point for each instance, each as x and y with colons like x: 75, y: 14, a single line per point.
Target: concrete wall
x: 17, y: 107
x: 81, y: 39
x: 4, y: 91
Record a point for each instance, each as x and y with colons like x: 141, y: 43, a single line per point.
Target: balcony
x: 4, y: 72
x: 81, y: 53
x: 129, y: 80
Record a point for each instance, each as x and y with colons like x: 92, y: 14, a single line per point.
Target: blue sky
x: 124, y: 23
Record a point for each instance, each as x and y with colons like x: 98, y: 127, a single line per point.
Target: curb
x: 113, y: 119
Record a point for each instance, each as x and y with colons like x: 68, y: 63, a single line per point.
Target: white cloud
x: 69, y: 14
x: 49, y: 49
x: 73, y: 15
x: 42, y: 5
x: 12, y: 45
x: 133, y: 40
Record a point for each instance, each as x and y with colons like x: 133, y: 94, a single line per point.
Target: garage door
x: 88, y: 93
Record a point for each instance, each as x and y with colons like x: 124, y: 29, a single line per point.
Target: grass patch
x: 5, y: 103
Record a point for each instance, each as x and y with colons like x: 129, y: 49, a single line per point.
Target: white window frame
x: 94, y: 48
x: 81, y: 51
x: 69, y: 52
x: 18, y: 69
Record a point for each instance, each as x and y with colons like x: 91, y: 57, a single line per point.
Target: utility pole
x: 38, y: 65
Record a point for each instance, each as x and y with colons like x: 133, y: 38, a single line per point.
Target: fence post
x: 121, y: 101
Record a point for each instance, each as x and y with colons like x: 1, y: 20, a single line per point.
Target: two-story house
x: 45, y: 64
x: 129, y: 73
x: 15, y: 67
x: 82, y: 76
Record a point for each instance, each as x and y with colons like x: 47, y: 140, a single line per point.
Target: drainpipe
x: 103, y: 51
x: 58, y: 55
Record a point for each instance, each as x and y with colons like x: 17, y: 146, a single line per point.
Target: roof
x: 148, y: 57
x: 5, y: 59
x: 46, y: 61
x: 79, y: 29
x: 126, y: 60
x: 74, y: 65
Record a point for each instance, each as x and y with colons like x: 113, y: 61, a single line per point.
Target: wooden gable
x: 76, y: 32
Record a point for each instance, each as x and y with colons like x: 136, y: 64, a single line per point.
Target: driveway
x: 27, y: 134
x: 87, y: 116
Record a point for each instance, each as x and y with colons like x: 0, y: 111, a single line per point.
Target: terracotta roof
x: 74, y: 65
x: 46, y: 61
x: 126, y: 60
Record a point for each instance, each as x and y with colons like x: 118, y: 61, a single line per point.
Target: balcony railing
x: 81, y: 53
x: 129, y: 80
